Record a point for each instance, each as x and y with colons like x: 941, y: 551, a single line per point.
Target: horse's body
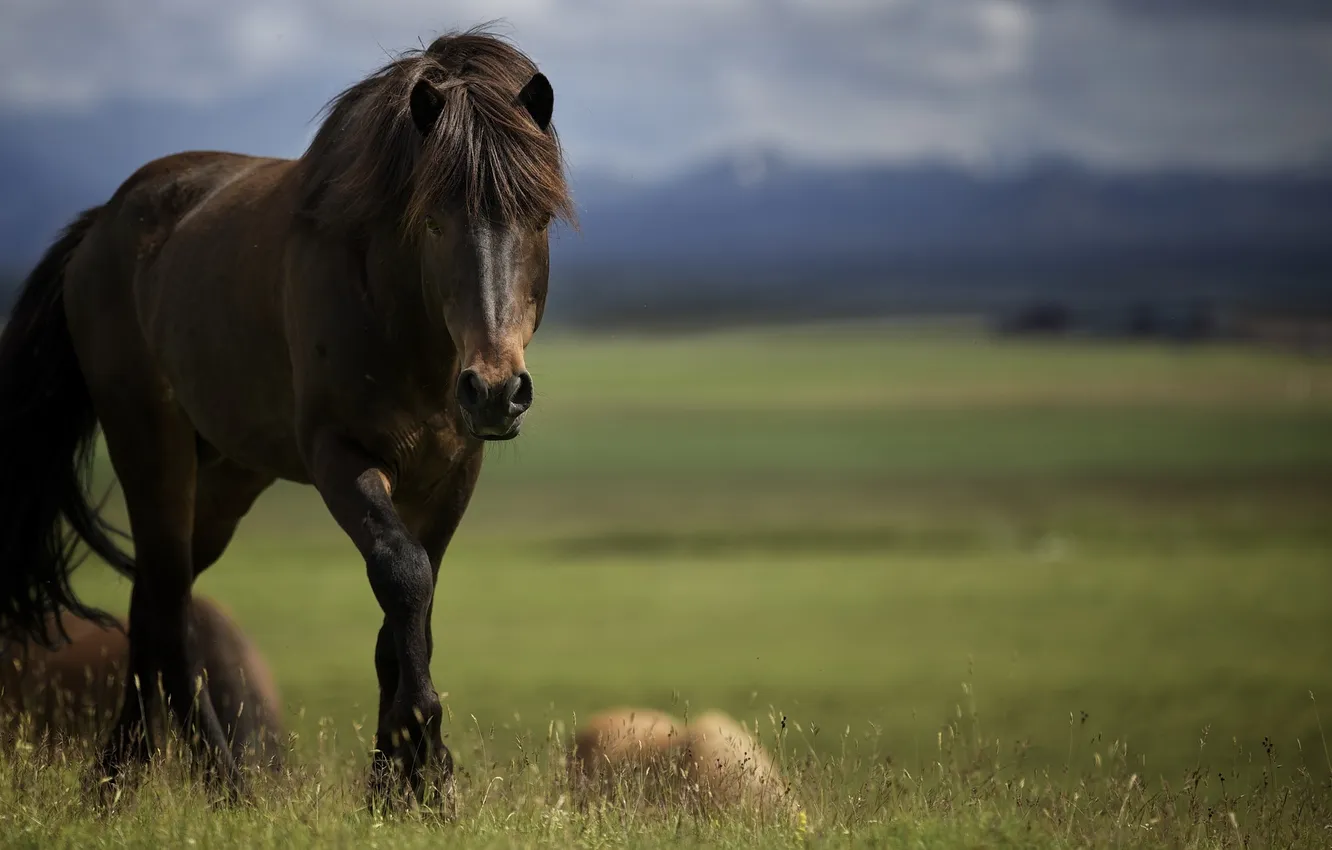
x: 616, y: 749
x: 74, y: 692
x: 729, y: 767
x: 712, y: 761
x: 354, y: 319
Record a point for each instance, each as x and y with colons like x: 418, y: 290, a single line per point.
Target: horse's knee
x: 386, y: 657
x: 402, y: 580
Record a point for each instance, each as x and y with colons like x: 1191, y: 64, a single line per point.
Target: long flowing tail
x: 48, y: 431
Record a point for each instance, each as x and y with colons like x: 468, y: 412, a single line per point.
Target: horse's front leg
x: 434, y: 523
x: 357, y: 490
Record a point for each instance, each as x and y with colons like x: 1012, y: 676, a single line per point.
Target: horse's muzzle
x: 494, y: 411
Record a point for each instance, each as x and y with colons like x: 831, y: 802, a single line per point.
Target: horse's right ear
x: 538, y: 98
x: 426, y: 106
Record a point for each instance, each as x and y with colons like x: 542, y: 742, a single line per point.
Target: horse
x: 711, y: 762
x: 728, y: 767
x: 622, y: 747
x: 354, y: 319
x: 71, y: 693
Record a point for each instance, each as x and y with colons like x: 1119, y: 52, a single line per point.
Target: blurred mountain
x: 755, y: 233
x: 759, y: 205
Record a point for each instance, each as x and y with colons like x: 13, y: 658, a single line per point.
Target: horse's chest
x: 423, y: 453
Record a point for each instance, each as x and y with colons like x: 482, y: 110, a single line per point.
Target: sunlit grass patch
x: 963, y: 789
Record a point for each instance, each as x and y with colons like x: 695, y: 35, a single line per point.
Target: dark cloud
x: 654, y: 84
x: 1247, y: 11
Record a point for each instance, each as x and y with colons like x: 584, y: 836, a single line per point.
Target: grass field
x: 930, y: 551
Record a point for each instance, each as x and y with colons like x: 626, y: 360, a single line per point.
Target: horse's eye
x: 432, y: 226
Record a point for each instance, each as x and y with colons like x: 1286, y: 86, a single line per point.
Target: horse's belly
x: 246, y: 418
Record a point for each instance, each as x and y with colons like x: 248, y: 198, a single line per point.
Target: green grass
x: 964, y: 794
x: 842, y: 525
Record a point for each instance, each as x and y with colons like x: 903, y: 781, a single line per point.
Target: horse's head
x: 452, y: 149
x: 487, y: 262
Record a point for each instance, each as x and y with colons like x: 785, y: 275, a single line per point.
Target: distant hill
x: 753, y: 234
x: 761, y: 230
x: 762, y: 206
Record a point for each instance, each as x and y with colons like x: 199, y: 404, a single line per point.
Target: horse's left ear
x: 426, y: 107
x: 538, y: 98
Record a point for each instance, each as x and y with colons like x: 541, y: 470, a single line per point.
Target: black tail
x: 48, y: 433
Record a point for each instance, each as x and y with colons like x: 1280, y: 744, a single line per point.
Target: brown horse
x: 728, y: 767
x: 74, y: 692
x: 355, y: 319
x: 629, y: 747
x: 710, y: 763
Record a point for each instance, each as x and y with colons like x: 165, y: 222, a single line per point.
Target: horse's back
x: 164, y: 191
x: 628, y: 735
x: 179, y: 285
x: 111, y: 275
x: 144, y: 211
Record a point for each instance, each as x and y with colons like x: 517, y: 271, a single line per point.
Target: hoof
x: 428, y: 783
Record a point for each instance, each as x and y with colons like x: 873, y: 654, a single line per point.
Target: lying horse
x: 629, y: 749
x: 712, y: 761
x: 354, y: 319
x: 74, y: 691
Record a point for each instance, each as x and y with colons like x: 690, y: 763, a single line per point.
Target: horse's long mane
x: 368, y: 161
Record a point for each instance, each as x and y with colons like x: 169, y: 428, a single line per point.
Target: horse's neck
x: 411, y: 314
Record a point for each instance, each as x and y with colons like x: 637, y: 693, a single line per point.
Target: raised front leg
x: 357, y: 490
x: 434, y: 523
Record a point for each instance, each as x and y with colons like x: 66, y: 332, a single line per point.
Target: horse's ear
x: 538, y: 98
x: 426, y: 106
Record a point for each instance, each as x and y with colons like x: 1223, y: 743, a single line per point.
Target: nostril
x: 471, y: 390
x: 520, y: 394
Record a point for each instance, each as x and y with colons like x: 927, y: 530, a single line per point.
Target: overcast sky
x: 651, y: 85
